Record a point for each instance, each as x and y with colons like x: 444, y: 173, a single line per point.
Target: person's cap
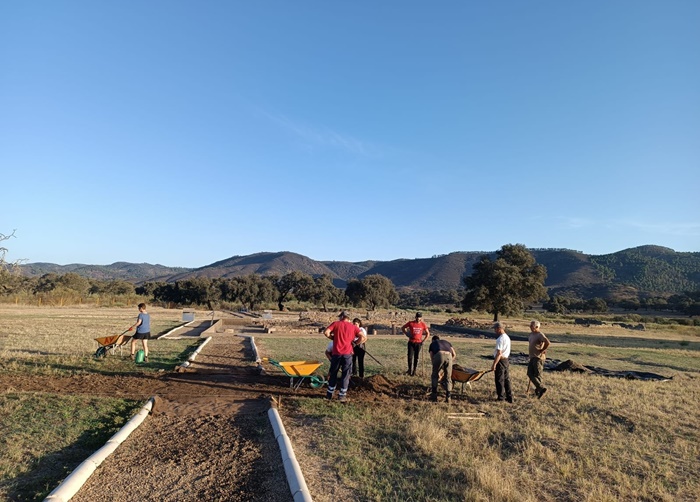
x: 344, y: 313
x: 498, y: 325
x: 418, y: 314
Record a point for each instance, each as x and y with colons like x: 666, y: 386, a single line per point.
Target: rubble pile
x: 465, y: 322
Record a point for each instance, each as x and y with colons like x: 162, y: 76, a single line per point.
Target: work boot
x: 343, y: 398
x: 540, y: 392
x: 433, y: 395
x: 447, y: 396
x: 329, y: 395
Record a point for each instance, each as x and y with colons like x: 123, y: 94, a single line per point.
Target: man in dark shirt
x: 442, y: 355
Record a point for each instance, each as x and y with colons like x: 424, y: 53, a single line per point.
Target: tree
x: 165, y: 292
x: 46, y: 283
x: 379, y: 291
x: 199, y: 291
x: 319, y: 290
x: 373, y: 291
x: 354, y: 292
x: 148, y: 289
x: 556, y: 304
x: 288, y: 283
x: 10, y: 278
x: 252, y: 290
x: 596, y: 305
x: 74, y: 282
x: 503, y: 285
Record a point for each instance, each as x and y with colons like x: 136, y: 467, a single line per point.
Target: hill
x: 647, y: 269
x: 136, y: 272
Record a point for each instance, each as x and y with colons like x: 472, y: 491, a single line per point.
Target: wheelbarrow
x: 300, y: 371
x: 466, y: 376
x: 107, y: 343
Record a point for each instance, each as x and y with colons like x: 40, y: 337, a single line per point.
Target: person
x: 358, y: 351
x: 500, y: 364
x: 537, y: 350
x: 442, y: 355
x: 143, y: 332
x: 343, y: 333
x: 417, y: 332
x: 329, y: 351
x: 329, y: 356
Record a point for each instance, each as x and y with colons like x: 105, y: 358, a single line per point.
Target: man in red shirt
x: 417, y: 332
x: 343, y: 333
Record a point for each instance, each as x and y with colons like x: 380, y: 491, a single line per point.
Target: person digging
x: 343, y: 333
x: 442, y: 355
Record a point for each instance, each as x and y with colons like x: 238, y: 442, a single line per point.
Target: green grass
x: 42, y: 436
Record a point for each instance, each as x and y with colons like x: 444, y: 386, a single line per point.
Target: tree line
x: 501, y: 285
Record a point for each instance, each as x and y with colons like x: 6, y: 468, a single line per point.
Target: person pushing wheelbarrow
x: 143, y: 332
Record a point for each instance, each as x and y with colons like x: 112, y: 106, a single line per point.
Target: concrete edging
x: 295, y: 478
x: 255, y: 348
x: 168, y: 333
x: 76, y: 479
x: 195, y: 353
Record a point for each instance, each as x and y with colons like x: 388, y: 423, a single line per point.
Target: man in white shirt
x: 500, y: 365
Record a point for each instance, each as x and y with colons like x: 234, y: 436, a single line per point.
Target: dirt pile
x: 378, y: 384
x: 465, y: 322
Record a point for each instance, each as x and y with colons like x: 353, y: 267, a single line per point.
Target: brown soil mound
x: 379, y: 384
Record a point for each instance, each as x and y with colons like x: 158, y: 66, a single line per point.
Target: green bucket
x: 140, y: 354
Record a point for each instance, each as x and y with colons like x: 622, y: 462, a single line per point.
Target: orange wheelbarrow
x: 466, y: 376
x: 107, y: 343
x: 300, y: 371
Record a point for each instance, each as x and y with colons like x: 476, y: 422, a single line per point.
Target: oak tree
x: 502, y: 286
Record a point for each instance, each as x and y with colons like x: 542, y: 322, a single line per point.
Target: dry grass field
x: 590, y: 438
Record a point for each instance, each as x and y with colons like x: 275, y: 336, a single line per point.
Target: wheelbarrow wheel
x: 316, y: 382
x: 101, y: 352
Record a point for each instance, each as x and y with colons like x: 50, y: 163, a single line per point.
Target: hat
x: 345, y: 314
x: 418, y: 314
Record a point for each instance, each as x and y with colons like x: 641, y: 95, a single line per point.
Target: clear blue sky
x: 183, y: 133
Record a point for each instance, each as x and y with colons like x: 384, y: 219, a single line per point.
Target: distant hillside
x: 441, y: 272
x: 259, y: 263
x: 135, y: 272
x: 649, y: 269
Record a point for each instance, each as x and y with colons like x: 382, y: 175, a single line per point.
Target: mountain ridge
x: 648, y: 268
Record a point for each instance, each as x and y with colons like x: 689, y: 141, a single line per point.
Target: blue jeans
x: 338, y: 362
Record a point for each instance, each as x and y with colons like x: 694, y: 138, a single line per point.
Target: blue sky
x: 183, y: 133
